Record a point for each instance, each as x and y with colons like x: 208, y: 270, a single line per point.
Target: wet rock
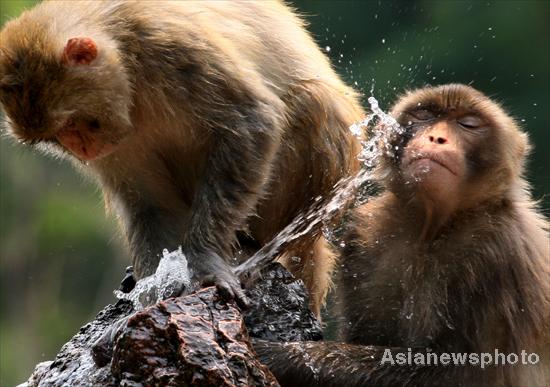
x: 279, y: 308
x: 74, y: 365
x: 197, y: 339
x: 194, y: 340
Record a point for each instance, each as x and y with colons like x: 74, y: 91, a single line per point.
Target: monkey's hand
x: 209, y: 269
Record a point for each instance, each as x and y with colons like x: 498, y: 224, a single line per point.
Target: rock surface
x: 193, y: 340
x: 197, y: 339
x: 279, y: 309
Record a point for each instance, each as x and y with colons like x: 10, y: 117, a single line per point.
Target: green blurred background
x: 61, y: 256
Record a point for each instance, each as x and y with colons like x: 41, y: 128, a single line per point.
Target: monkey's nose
x: 438, y: 140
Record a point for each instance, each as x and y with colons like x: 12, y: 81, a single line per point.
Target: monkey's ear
x: 79, y: 51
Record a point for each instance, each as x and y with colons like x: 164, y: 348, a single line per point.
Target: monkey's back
x: 265, y: 43
x: 317, y: 148
x: 261, y: 37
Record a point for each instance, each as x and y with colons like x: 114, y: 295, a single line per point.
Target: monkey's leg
x: 314, y: 264
x: 149, y: 231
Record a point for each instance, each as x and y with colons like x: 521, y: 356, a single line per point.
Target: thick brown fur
x: 219, y: 117
x: 464, y: 270
x: 452, y: 261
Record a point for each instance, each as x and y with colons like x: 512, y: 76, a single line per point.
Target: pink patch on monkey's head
x: 79, y: 51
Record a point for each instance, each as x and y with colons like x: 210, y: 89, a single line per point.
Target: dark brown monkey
x: 199, y: 119
x: 453, y: 256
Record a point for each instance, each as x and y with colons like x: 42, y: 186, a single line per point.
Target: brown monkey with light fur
x: 453, y: 256
x: 201, y: 121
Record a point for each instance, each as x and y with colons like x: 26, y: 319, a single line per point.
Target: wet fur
x: 477, y: 281
x: 481, y: 282
x: 222, y: 124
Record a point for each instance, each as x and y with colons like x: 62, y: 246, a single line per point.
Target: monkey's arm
x: 237, y: 169
x: 339, y: 364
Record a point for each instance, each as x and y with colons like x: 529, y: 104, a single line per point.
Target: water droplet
x: 327, y: 48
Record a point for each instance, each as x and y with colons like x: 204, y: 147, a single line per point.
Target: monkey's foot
x: 228, y: 287
x: 212, y: 270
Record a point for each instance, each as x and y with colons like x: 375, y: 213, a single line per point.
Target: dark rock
x: 193, y: 340
x: 74, y: 365
x: 279, y: 308
x: 128, y: 283
x: 197, y: 339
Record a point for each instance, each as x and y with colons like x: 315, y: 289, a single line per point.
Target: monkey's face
x: 433, y: 161
x: 65, y: 96
x: 458, y: 148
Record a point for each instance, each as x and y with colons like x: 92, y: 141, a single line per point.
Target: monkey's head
x: 459, y: 148
x: 63, y: 87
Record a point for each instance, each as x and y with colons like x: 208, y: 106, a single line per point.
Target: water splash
x: 380, y: 128
x: 169, y: 280
x: 172, y: 275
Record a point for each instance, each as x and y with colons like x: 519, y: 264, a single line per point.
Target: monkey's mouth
x: 434, y: 158
x: 83, y: 140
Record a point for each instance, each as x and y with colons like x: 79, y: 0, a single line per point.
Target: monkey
x: 332, y: 363
x: 201, y: 122
x: 452, y: 257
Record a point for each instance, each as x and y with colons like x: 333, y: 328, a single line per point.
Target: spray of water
x: 380, y: 127
x: 169, y: 280
x: 172, y: 275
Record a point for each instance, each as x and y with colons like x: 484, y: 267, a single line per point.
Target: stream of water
x: 378, y: 127
x: 172, y: 275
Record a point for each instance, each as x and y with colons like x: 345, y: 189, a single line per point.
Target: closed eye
x: 422, y: 115
x: 470, y: 122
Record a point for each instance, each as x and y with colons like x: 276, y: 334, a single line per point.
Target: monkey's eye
x: 422, y: 115
x: 470, y: 122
